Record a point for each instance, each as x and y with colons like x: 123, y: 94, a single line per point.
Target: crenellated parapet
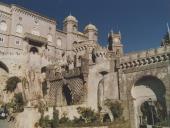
x: 30, y: 13
x: 103, y: 53
x: 84, y: 45
x: 5, y: 15
x: 143, y: 58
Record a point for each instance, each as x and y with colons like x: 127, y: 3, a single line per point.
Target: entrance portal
x: 149, y: 104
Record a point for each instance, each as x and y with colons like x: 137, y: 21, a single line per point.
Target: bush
x: 11, y: 83
x: 45, y: 122
x: 55, y: 120
x: 115, y: 107
x: 87, y: 114
x: 64, y: 120
x: 18, y: 102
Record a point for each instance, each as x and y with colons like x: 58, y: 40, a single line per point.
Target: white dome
x: 71, y: 18
x: 90, y: 27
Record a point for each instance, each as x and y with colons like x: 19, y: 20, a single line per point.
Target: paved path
x: 3, y: 124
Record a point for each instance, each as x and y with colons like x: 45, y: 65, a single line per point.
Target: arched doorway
x: 3, y: 77
x: 33, y: 50
x: 149, y: 100
x: 67, y: 94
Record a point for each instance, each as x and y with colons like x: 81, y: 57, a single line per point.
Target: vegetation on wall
x: 55, y: 120
x: 115, y: 107
x: 87, y: 117
x: 87, y: 114
x: 17, y: 103
x: 11, y: 83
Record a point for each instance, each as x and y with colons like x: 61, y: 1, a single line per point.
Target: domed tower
x: 70, y: 24
x: 91, y: 32
x: 115, y: 44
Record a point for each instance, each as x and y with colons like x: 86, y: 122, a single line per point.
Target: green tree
x: 19, y: 102
x: 87, y: 114
x: 115, y: 107
x: 11, y: 83
x: 55, y: 120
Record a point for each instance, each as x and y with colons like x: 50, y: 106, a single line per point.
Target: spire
x: 111, y: 31
x: 168, y: 30
x: 70, y: 14
x: 119, y: 33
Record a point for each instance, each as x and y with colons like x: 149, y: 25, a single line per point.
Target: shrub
x: 115, y: 107
x: 64, y: 120
x: 11, y: 83
x: 18, y: 102
x: 45, y: 122
x: 55, y: 120
x: 87, y: 114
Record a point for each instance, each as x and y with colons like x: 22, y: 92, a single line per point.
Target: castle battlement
x: 145, y: 57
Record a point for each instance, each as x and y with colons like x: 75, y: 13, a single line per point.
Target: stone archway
x: 4, y: 67
x: 145, y: 90
x: 4, y: 71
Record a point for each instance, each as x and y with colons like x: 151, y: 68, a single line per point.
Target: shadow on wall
x: 4, y: 67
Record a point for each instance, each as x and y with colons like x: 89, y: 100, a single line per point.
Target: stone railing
x: 145, y: 57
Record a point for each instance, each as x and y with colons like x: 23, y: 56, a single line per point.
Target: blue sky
x: 141, y: 22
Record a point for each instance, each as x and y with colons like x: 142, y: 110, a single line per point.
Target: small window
x: 3, y: 26
x: 74, y: 28
x: 19, y: 28
x: 59, y: 42
x: 49, y: 38
x: 17, y: 42
x: 1, y: 40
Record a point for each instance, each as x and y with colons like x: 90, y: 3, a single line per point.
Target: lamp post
x: 150, y: 102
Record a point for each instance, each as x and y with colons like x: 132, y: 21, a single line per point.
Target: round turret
x: 70, y: 18
x: 90, y: 27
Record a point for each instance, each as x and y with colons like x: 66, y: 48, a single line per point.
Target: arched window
x: 49, y: 38
x: 74, y: 28
x: 33, y: 50
x: 19, y: 28
x: 3, y: 26
x: 59, y: 42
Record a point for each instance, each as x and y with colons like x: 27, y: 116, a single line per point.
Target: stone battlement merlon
x: 26, y: 11
x: 147, y: 57
x: 144, y: 54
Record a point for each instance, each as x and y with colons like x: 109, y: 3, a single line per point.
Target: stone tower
x: 70, y: 24
x: 91, y: 32
x: 115, y: 44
